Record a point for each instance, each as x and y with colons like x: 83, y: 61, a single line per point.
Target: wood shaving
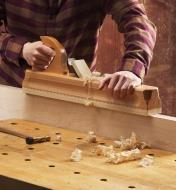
x: 58, y: 137
x: 104, y: 150
x: 91, y: 138
x: 88, y: 103
x: 117, y: 158
x: 143, y: 145
x: 130, y: 143
x: 146, y: 161
x: 96, y: 74
x: 76, y: 155
x: 117, y: 144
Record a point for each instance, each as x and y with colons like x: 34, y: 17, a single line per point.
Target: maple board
x: 144, y: 101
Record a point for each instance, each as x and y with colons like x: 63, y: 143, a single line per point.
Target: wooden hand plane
x: 56, y: 82
x: 59, y: 63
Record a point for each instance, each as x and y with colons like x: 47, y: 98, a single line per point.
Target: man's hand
x: 120, y: 84
x: 37, y: 55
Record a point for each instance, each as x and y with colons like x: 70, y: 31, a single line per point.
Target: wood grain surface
x: 48, y: 165
x: 144, y: 101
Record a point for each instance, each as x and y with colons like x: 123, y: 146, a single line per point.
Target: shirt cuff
x: 135, y: 66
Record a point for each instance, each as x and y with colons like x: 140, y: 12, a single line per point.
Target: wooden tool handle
x: 59, y: 63
x: 11, y: 132
x: 28, y: 139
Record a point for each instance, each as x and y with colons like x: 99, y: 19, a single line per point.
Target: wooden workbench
x: 48, y: 165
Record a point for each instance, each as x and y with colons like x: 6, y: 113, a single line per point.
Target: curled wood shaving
x: 146, y: 161
x: 58, y: 137
x: 91, y: 138
x: 117, y: 158
x: 130, y: 143
x: 76, y: 155
x: 104, y: 150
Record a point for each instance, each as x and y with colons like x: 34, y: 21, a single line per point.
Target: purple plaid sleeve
x: 139, y: 34
x: 11, y: 47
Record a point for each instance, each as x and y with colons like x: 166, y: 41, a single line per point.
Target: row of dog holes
x: 103, y: 179
x: 37, y: 129
x: 31, y: 148
x: 52, y: 166
x: 101, y: 143
x: 14, y: 123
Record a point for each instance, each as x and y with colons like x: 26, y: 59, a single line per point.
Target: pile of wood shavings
x: 104, y: 150
x: 130, y: 143
x: 130, y: 151
x: 116, y: 158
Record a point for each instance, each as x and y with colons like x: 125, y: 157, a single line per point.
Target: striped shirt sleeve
x: 139, y: 34
x: 10, y: 45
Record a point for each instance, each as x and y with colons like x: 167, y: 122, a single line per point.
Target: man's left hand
x: 120, y: 84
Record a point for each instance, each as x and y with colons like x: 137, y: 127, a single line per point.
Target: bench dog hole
x: 55, y: 143
x: 13, y: 123
x: 76, y: 172
x: 30, y: 148
x: 79, y: 138
x: 103, y: 179
x: 151, y: 154
x: 102, y: 143
x: 51, y: 166
x: 131, y: 187
x: 5, y: 153
x: 37, y: 128
x: 27, y: 160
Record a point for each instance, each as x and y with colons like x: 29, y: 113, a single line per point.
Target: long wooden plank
x: 144, y: 101
x: 33, y: 166
x: 158, y: 130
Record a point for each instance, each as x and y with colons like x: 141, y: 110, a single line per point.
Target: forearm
x: 139, y: 35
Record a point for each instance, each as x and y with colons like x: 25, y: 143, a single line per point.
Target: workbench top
x: 48, y: 166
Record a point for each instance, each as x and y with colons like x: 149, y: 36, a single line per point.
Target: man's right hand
x: 37, y: 55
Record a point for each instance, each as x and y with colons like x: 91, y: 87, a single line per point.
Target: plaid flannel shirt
x: 74, y: 23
